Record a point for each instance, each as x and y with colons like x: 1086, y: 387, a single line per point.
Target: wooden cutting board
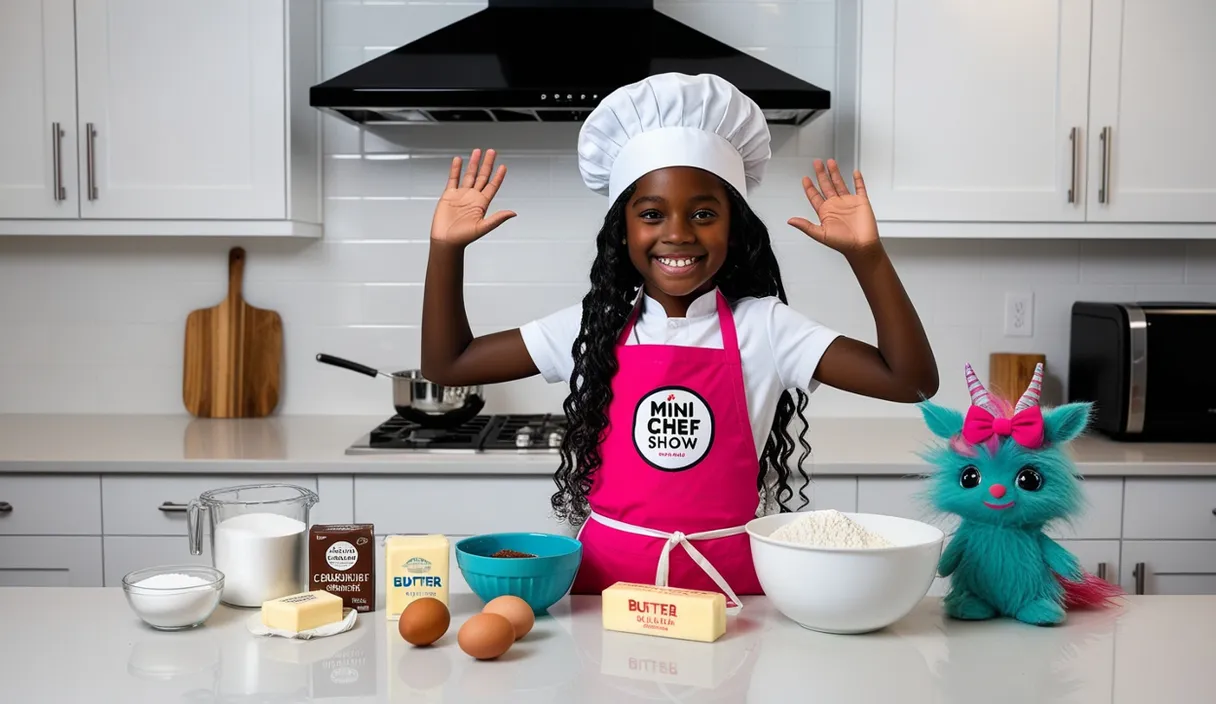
x: 233, y: 355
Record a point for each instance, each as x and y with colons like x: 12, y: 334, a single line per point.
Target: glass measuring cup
x: 259, y: 539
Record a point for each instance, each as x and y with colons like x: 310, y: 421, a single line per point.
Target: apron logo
x: 672, y: 428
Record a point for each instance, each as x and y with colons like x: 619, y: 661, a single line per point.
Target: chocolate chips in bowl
x: 511, y: 553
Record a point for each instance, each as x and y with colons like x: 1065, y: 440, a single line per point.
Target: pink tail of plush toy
x: 1090, y: 593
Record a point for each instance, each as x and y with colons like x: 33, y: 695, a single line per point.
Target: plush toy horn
x: 1031, y: 397
x: 979, y: 395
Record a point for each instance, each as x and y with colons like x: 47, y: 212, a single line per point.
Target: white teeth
x: 676, y: 262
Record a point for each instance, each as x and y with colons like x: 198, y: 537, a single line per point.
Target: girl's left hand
x: 846, y: 221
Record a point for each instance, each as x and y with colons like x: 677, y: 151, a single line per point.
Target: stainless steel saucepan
x: 419, y: 400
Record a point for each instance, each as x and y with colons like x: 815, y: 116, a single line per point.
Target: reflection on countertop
x: 85, y: 645
x: 317, y: 445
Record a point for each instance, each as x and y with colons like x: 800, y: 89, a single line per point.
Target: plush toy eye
x: 1029, y: 479
x: 970, y: 478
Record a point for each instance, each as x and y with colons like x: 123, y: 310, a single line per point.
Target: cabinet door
x: 182, y: 109
x: 50, y: 561
x: 1168, y: 567
x: 968, y: 110
x: 38, y: 122
x: 1151, y: 83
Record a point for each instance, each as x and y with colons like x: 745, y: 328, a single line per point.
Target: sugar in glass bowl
x: 174, y: 597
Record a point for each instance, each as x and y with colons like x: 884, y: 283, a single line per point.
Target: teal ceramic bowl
x: 541, y: 581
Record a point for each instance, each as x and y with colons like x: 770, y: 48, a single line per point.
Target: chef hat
x: 673, y: 119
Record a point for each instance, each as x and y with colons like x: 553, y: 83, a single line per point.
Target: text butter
x: 686, y: 614
x: 302, y: 612
x: 416, y: 567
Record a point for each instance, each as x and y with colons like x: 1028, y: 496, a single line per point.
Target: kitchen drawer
x: 456, y: 583
x: 1100, y: 519
x: 124, y: 554
x: 464, y: 505
x: 48, y: 504
x: 50, y: 561
x: 1170, y: 509
x: 1170, y: 566
x: 135, y: 504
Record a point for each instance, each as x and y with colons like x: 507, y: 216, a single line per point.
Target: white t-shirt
x: 779, y: 347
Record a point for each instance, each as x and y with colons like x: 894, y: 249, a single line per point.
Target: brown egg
x: 516, y: 610
x: 424, y: 621
x: 486, y: 636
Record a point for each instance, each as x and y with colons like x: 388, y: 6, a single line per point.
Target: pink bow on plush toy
x: 1026, y: 425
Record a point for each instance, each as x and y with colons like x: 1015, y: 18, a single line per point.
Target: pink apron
x: 679, y: 470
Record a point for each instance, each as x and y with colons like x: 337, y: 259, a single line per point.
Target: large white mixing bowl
x: 847, y: 590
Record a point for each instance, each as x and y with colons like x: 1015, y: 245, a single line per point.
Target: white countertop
x: 317, y: 444
x: 78, y: 645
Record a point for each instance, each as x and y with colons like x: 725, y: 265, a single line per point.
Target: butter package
x: 685, y: 614
x: 416, y: 566
x: 302, y: 612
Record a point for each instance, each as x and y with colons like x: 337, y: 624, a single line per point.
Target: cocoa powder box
x: 341, y: 561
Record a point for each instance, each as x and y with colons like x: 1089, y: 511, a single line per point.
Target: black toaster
x: 1148, y: 368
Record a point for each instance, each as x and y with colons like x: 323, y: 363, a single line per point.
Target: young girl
x: 684, y: 361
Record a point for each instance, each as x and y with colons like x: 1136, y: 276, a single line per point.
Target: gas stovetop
x: 484, y: 433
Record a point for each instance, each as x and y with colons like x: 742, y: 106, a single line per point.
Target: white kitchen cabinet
x: 463, y: 505
x: 1170, y: 509
x: 156, y: 505
x: 50, y: 561
x: 1169, y: 567
x: 185, y: 118
x: 968, y: 110
x: 1033, y: 119
x: 1151, y: 92
x: 38, y: 123
x: 32, y: 504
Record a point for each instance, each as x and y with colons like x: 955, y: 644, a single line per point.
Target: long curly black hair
x: 750, y: 269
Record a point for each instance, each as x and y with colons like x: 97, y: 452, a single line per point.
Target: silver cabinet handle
x: 170, y: 507
x: 1101, y: 570
x: 1138, y: 573
x: 61, y: 193
x: 90, y: 136
x: 1075, y: 145
x: 6, y: 507
x: 1107, y: 144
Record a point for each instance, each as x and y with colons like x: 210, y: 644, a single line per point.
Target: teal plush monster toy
x: 1004, y: 472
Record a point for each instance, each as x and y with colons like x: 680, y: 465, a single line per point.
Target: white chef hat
x: 673, y: 119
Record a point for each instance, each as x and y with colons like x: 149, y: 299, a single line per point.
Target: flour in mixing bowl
x: 829, y: 529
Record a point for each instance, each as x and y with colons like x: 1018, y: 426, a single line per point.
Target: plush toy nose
x: 997, y: 490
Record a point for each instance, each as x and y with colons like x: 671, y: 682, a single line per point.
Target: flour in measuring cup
x: 261, y: 556
x: 828, y: 529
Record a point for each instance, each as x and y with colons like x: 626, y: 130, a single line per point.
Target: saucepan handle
x: 347, y: 364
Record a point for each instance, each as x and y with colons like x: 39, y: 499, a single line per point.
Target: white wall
x: 97, y: 325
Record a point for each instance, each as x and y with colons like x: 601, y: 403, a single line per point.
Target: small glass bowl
x: 174, y: 608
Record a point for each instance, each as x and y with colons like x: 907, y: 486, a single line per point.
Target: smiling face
x: 1013, y: 486
x: 677, y: 229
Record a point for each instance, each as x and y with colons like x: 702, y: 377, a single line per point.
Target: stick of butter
x: 302, y: 612
x: 686, y: 614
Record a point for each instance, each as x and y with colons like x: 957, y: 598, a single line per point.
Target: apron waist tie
x: 681, y: 539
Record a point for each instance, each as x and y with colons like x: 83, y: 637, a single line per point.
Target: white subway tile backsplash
x: 1121, y: 261
x: 97, y: 324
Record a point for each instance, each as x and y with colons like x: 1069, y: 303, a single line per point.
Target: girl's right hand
x: 460, y: 217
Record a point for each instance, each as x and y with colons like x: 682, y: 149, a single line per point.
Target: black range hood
x: 549, y: 61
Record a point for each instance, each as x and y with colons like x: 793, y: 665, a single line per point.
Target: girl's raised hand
x: 846, y: 221
x: 460, y: 217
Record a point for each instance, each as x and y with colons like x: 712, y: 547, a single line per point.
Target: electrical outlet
x: 1019, y: 314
